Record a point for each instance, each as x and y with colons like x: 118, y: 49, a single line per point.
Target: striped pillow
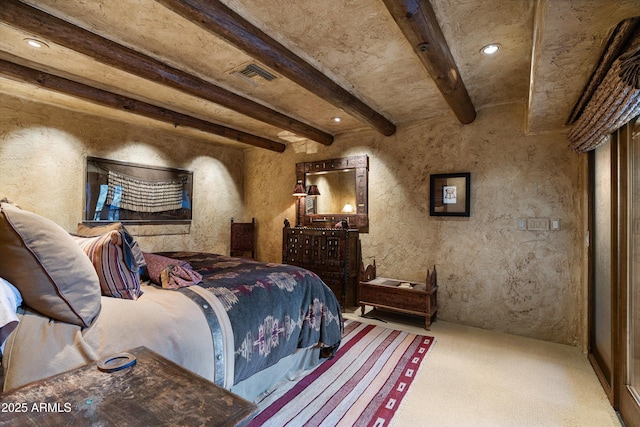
x: 107, y: 256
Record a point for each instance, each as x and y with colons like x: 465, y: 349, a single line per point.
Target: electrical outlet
x: 538, y: 224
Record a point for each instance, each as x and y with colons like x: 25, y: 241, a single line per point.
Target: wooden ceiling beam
x: 419, y: 24
x: 55, y: 83
x: 58, y: 31
x: 217, y: 18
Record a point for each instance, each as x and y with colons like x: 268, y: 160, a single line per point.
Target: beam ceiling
x: 419, y: 24
x: 217, y: 18
x: 103, y: 50
x: 102, y: 97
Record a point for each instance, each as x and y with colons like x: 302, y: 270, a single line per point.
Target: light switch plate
x: 521, y: 225
x: 538, y: 224
x: 555, y: 224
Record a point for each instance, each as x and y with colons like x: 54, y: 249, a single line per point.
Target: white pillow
x: 10, y: 300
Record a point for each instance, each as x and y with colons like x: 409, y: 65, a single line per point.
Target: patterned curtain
x: 616, y: 98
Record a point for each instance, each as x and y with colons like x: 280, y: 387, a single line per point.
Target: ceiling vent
x: 254, y: 73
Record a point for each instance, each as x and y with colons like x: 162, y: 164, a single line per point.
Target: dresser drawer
x: 332, y: 277
x: 328, y: 266
x: 333, y: 254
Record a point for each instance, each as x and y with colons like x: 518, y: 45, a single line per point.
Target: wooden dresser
x: 331, y: 253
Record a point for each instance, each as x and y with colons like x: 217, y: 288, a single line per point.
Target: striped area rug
x: 362, y: 385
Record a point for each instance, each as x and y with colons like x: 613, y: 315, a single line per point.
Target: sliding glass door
x: 629, y: 328
x: 601, y: 337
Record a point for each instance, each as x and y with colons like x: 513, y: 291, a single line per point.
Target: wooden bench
x: 420, y: 299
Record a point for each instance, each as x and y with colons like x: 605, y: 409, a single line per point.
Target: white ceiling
x: 549, y: 49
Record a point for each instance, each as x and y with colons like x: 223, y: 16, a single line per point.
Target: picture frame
x: 132, y: 193
x: 450, y: 194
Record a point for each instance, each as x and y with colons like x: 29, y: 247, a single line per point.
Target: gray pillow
x: 50, y: 270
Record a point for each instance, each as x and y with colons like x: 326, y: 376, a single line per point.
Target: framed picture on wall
x: 450, y: 194
x: 133, y: 193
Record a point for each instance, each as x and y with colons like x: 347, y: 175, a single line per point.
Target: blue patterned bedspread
x: 274, y: 309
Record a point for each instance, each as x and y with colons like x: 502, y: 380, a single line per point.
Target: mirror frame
x: 360, y: 219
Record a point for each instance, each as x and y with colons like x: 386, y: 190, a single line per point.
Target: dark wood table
x: 420, y: 299
x: 152, y: 392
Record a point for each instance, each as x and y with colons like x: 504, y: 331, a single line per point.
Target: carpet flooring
x: 481, y: 378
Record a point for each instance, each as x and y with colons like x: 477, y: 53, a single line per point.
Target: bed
x: 242, y: 324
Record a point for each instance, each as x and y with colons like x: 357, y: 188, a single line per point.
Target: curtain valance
x: 613, y: 93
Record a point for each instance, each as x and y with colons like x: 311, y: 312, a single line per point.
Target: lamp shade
x: 299, y: 191
x: 313, y: 190
x: 348, y: 208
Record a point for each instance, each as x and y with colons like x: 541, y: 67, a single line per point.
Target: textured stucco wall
x: 42, y: 163
x: 523, y: 282
x: 490, y: 274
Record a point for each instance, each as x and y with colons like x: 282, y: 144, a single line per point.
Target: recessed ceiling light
x: 36, y: 43
x: 490, y: 49
x: 336, y: 119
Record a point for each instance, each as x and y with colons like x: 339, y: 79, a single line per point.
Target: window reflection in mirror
x: 337, y: 190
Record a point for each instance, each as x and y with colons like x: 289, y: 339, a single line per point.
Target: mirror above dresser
x: 343, y: 187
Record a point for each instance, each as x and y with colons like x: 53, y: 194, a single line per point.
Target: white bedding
x: 167, y: 322
x: 10, y: 300
x: 164, y: 321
